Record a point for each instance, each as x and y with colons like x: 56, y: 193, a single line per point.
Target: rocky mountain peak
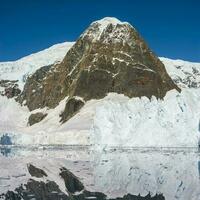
x: 108, y: 29
x: 110, y: 56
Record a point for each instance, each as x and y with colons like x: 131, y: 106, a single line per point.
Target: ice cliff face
x: 108, y: 87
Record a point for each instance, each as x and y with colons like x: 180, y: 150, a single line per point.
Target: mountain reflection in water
x: 173, y: 172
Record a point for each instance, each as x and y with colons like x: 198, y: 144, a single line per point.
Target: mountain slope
x: 22, y: 68
x: 185, y: 74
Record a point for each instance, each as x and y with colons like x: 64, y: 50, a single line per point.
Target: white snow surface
x: 115, y: 120
x: 185, y: 74
x: 22, y: 68
x: 108, y: 20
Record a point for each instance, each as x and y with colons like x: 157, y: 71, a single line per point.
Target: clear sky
x: 170, y: 27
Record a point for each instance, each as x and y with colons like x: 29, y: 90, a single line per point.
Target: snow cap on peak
x: 109, y: 20
x: 99, y: 28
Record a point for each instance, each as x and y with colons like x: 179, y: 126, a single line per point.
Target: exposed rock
x: 7, y: 83
x: 110, y: 56
x: 35, y: 118
x: 10, y: 88
x: 72, y: 106
x: 33, y: 89
x: 12, y: 92
x: 72, y: 183
x: 36, y: 172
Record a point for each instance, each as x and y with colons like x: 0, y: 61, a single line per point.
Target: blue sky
x: 170, y: 27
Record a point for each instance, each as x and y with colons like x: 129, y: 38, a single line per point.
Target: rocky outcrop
x: 35, y: 118
x: 33, y: 90
x: 110, y: 56
x: 10, y: 88
x: 73, y: 105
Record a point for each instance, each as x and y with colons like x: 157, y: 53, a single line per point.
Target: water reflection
x: 173, y: 172
x: 199, y: 168
x: 5, y: 139
x: 5, y: 151
x: 115, y: 172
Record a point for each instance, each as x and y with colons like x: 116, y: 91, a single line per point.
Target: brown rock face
x: 35, y: 118
x: 110, y: 56
x: 34, y: 93
x: 10, y: 88
x: 72, y: 106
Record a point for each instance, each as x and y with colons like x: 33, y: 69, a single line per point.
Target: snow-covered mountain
x: 113, y: 120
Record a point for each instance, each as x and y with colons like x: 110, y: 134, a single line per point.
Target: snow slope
x: 20, y: 69
x: 115, y: 120
x: 185, y: 74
